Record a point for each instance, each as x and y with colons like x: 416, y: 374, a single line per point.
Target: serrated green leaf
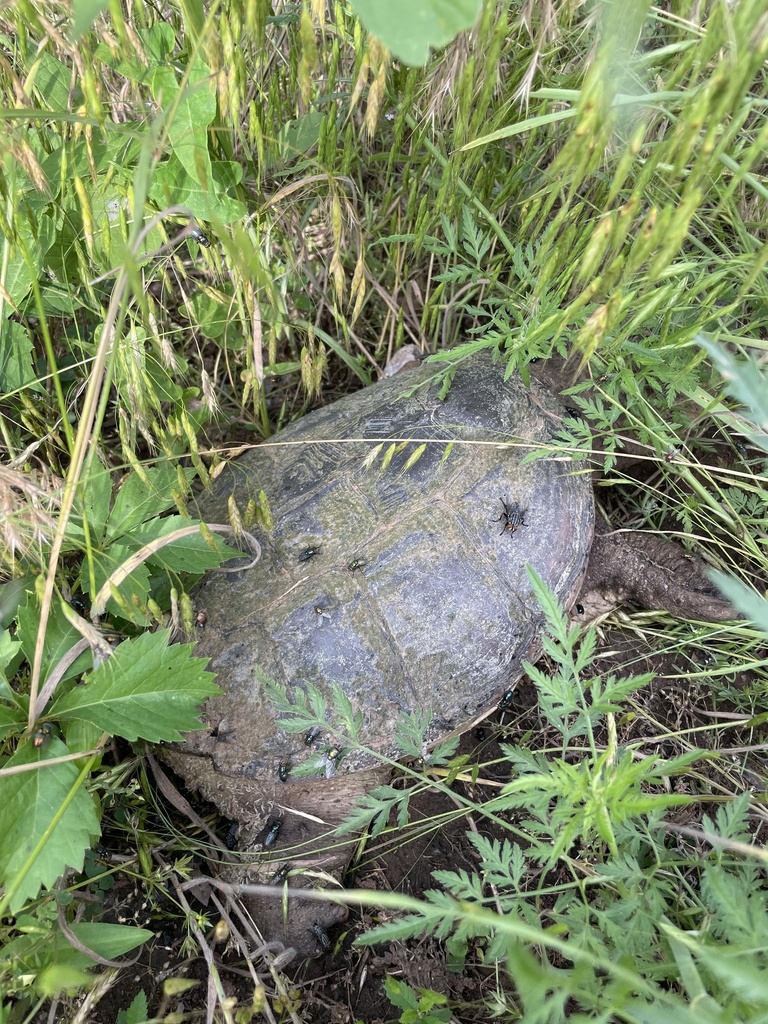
x: 17, y: 368
x: 146, y: 690
x: 137, y: 1012
x: 29, y: 803
x: 193, y: 554
x: 549, y: 603
x: 141, y: 498
x: 399, y: 994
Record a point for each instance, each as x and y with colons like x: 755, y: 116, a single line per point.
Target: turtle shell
x: 405, y: 585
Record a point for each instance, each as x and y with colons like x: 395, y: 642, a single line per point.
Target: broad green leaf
x: 60, y: 637
x: 188, y: 131
x: 22, y: 269
x: 12, y: 719
x: 212, y: 315
x: 226, y: 173
x: 409, y: 28
x: 298, y: 136
x: 58, y: 978
x: 9, y: 649
x: 146, y: 690
x: 92, y: 503
x: 41, y: 950
x: 109, y: 940
x: 29, y: 803
x: 85, y: 13
x: 171, y: 184
x: 13, y: 594
x: 17, y: 368
x: 53, y: 81
x: 159, y: 42
x: 80, y: 735
x: 141, y: 498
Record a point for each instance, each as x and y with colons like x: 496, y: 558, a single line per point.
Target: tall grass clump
x: 213, y: 217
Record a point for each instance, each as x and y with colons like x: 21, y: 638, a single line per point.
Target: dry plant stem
x: 82, y: 445
x: 720, y: 842
x: 104, y: 982
x: 100, y: 601
x: 215, y: 989
x: 260, y: 949
x: 274, y: 965
x: 52, y: 681
x: 174, y: 797
x: 37, y: 765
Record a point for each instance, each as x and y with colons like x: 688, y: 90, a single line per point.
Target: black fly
x: 308, y: 553
x: 321, y: 935
x: 200, y: 237
x: 506, y: 699
x: 272, y: 834
x: 512, y: 517
x: 42, y: 735
x: 280, y: 875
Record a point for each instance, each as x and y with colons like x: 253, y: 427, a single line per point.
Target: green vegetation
x: 583, y: 182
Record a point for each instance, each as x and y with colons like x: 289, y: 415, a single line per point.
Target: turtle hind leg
x: 650, y: 571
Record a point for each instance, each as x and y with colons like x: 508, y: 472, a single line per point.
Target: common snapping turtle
x: 404, y: 583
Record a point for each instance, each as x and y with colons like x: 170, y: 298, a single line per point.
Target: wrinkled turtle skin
x: 439, y: 612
